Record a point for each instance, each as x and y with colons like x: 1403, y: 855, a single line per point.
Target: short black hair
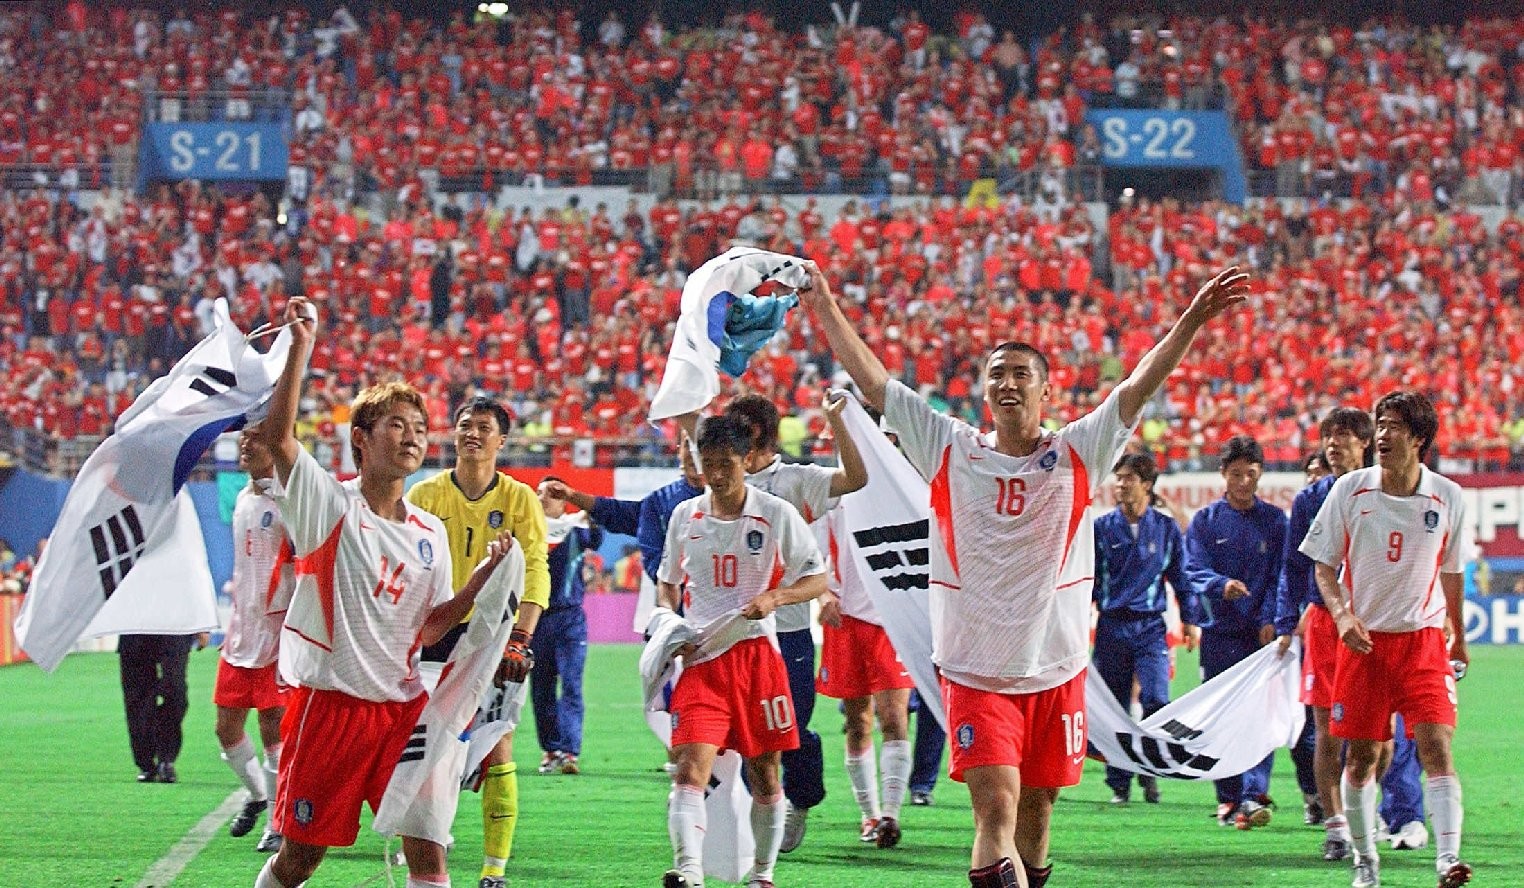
x: 1020, y: 348
x: 1242, y: 447
x: 760, y: 416
x: 484, y: 404
x: 724, y: 432
x: 1416, y: 412
x: 1140, y: 464
x: 1319, y: 457
x: 1348, y: 419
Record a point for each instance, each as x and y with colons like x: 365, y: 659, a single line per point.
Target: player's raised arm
x: 446, y: 616
x: 1228, y: 288
x: 279, y: 425
x: 860, y: 362
x: 853, y: 474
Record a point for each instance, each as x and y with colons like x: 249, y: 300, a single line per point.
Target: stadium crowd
x: 565, y: 312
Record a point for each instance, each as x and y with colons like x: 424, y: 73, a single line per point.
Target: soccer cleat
x: 1383, y: 832
x: 1335, y: 848
x: 676, y: 879
x: 550, y: 762
x: 270, y: 842
x: 1411, y: 836
x: 244, y: 820
x: 793, y: 828
x: 1312, y: 810
x: 1120, y: 798
x: 167, y: 772
x: 1225, y: 812
x: 921, y: 798
x: 1150, y: 789
x: 149, y: 776
x: 1452, y: 873
x: 869, y: 832
x: 759, y: 883
x: 569, y: 764
x: 888, y: 832
x: 1367, y: 873
x: 492, y: 882
x: 1251, y: 814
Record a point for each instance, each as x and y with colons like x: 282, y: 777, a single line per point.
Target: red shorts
x: 244, y: 687
x: 857, y: 660
x: 739, y: 700
x: 1406, y: 672
x: 1320, y: 657
x: 337, y: 751
x: 1042, y: 734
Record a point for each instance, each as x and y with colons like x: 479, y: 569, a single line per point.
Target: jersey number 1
x: 1012, y: 499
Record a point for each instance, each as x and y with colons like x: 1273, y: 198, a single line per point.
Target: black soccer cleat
x: 888, y: 833
x: 166, y: 773
x: 244, y: 820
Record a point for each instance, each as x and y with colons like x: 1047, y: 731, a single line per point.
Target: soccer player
x: 1396, y: 532
x: 476, y: 502
x: 1233, y: 552
x: 372, y: 587
x: 560, y: 645
x: 1347, y: 436
x: 1011, y: 564
x: 812, y: 490
x: 1137, y: 549
x: 260, y: 590
x: 736, y: 548
x: 858, y: 666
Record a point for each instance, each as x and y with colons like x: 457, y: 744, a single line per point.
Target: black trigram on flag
x: 1166, y: 759
x: 119, y: 543
x: 214, y: 381
x: 899, y: 554
x: 416, y: 745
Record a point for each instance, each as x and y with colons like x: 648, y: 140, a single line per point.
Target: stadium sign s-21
x: 1495, y: 619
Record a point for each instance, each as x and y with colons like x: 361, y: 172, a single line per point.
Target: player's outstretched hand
x: 758, y: 608
x: 1227, y: 289
x: 517, y: 660
x: 302, y: 319
x: 1234, y: 590
x: 816, y: 293
x: 834, y: 402
x: 1356, y: 637
x: 496, y: 550
x: 556, y: 490
x: 830, y: 610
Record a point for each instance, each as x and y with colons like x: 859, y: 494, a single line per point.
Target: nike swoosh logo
x: 1221, y: 541
x: 442, y: 518
x: 364, y: 526
x: 1365, y: 511
x: 1078, y: 759
x: 500, y: 816
x: 1117, y: 545
x: 975, y: 456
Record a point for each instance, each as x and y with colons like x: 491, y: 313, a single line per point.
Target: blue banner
x: 1495, y: 619
x: 214, y: 151
x: 1171, y: 140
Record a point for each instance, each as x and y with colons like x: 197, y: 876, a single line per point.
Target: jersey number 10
x: 727, y: 571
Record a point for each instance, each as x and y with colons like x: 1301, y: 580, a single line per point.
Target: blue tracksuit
x: 1222, y: 544
x: 560, y: 647
x: 1132, y: 564
x: 655, y: 512
x: 930, y: 741
x: 1298, y: 590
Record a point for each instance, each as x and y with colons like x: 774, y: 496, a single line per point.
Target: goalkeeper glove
x: 518, y: 659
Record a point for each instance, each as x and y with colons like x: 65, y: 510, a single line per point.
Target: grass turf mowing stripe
x: 166, y: 868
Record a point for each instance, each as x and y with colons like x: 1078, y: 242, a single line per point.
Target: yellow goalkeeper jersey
x: 471, y: 524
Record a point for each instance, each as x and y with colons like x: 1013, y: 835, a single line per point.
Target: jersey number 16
x: 1012, y: 499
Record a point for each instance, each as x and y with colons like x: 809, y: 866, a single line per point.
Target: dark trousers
x: 1402, y: 785
x: 803, y: 768
x: 155, y: 694
x: 1220, y: 651
x: 560, y: 653
x: 930, y: 741
x: 1132, y: 645
x: 1301, y: 757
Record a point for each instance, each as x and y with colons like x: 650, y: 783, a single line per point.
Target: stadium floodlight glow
x: 497, y: 9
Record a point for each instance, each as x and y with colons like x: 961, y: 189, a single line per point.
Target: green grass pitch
x: 71, y: 813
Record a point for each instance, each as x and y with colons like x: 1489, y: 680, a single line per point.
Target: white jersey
x: 808, y: 489
x: 845, y: 581
x: 262, y: 580
x: 1392, y: 548
x: 364, y: 587
x: 1012, y: 557
x: 728, y: 563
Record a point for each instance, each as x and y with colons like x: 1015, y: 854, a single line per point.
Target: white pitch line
x: 167, y: 868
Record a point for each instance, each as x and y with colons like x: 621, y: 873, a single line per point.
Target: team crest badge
x: 1430, y: 520
x: 426, y: 552
x: 674, y: 721
x: 754, y: 541
x: 1264, y: 547
x: 267, y: 519
x: 302, y: 810
x: 1338, y: 712
x: 825, y: 675
x: 1048, y: 461
x: 965, y: 735
x: 495, y: 519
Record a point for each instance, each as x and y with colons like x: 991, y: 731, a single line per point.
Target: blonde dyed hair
x: 378, y: 400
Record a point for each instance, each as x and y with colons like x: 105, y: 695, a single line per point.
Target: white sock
x: 686, y: 822
x: 895, y: 765
x: 1337, y: 827
x: 767, y: 816
x: 860, y: 770
x: 440, y: 881
x: 1443, y: 796
x: 240, y: 757
x: 1360, y: 809
x: 266, y: 877
x: 271, y: 769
